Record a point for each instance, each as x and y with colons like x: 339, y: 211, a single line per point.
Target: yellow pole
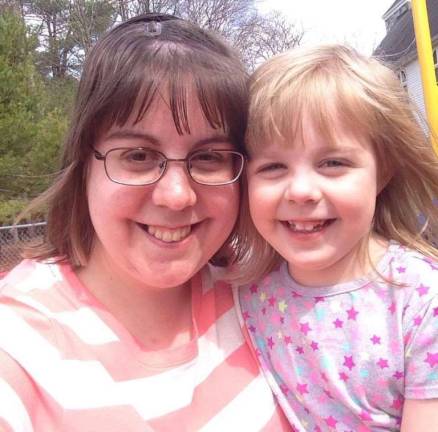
x: 425, y: 58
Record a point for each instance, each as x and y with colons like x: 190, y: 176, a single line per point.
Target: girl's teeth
x: 306, y: 227
x: 169, y: 235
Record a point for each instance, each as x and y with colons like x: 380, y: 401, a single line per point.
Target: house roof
x: 392, y: 7
x: 398, y: 46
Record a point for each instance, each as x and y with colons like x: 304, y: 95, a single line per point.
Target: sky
x: 356, y: 22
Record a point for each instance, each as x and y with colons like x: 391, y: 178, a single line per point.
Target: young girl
x: 345, y: 315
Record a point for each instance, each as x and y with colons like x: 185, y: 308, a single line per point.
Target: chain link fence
x: 12, y: 240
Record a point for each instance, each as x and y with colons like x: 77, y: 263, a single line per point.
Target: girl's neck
x: 358, y: 263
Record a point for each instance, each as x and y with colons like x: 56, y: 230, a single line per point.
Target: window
x: 402, y: 78
x: 435, y: 62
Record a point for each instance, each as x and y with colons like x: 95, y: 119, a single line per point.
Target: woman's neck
x: 158, y: 318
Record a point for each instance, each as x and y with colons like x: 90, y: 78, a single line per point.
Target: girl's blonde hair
x: 333, y: 84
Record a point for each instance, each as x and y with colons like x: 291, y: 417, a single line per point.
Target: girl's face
x: 159, y: 235
x: 314, y: 203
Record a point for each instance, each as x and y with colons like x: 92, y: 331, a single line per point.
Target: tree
x: 68, y: 28
x: 30, y: 129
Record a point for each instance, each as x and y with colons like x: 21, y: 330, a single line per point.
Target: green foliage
x: 32, y: 120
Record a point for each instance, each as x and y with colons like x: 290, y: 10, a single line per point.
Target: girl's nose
x: 175, y: 189
x: 302, y: 189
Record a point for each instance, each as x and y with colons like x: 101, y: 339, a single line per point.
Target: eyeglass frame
x: 102, y: 157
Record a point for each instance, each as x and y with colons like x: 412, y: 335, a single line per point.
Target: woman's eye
x: 139, y: 155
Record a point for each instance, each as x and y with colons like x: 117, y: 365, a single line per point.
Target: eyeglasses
x: 141, y: 166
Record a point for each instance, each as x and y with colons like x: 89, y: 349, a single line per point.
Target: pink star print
x: 365, y: 416
x: 271, y: 342
x: 305, y: 328
x: 246, y: 315
x: 401, y: 269
x: 318, y: 299
x: 338, y: 323
x: 382, y: 363
x: 252, y: 329
x: 343, y: 376
x: 302, y: 389
x: 300, y: 350
x: 397, y: 403
x: 295, y: 294
x: 422, y: 290
x: 271, y: 301
x: 330, y: 421
x: 314, y: 346
x: 417, y: 320
x: 352, y: 313
x: 398, y: 375
x: 287, y: 340
x: 432, y: 359
x: 375, y: 340
x: 348, y: 362
x: 392, y: 308
x: 253, y: 289
x: 435, y: 311
x: 284, y: 389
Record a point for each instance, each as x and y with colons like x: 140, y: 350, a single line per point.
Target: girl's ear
x: 386, y: 173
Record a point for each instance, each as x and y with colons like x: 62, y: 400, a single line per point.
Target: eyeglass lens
x: 139, y: 166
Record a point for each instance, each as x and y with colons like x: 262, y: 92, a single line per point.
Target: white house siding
x: 415, y: 87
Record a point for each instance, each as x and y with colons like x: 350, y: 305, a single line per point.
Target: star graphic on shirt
x: 348, y: 362
x: 246, y: 315
x: 365, y: 415
x: 398, y: 375
x: 422, y: 290
x: 314, y: 346
x: 397, y: 403
x: 302, y: 389
x: 318, y: 299
x: 282, y: 306
x: 330, y: 421
x: 432, y: 359
x: 338, y: 323
x: 343, y: 376
x: 375, y: 340
x: 317, y: 429
x: 435, y: 311
x: 295, y: 294
x: 392, y: 308
x: 401, y: 269
x: 271, y: 301
x: 262, y: 296
x: 383, y: 363
x: 299, y: 350
x: 252, y: 329
x: 329, y: 395
x: 284, y: 389
x: 352, y: 313
x: 287, y: 340
x: 271, y: 342
x: 417, y: 320
x: 253, y: 289
x: 305, y: 328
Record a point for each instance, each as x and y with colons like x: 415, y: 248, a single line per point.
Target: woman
x: 118, y: 323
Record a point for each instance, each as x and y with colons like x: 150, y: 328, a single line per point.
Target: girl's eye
x: 332, y: 163
x: 271, y: 167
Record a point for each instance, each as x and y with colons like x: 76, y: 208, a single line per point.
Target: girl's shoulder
x: 405, y: 264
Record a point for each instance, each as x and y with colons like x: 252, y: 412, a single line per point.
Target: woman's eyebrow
x: 131, y: 134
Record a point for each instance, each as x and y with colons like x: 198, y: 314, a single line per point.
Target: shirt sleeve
x: 16, y: 396
x: 421, y: 341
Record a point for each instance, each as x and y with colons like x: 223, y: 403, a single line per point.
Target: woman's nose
x: 302, y: 188
x: 175, y: 189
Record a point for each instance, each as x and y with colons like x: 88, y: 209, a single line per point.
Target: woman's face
x: 159, y: 235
